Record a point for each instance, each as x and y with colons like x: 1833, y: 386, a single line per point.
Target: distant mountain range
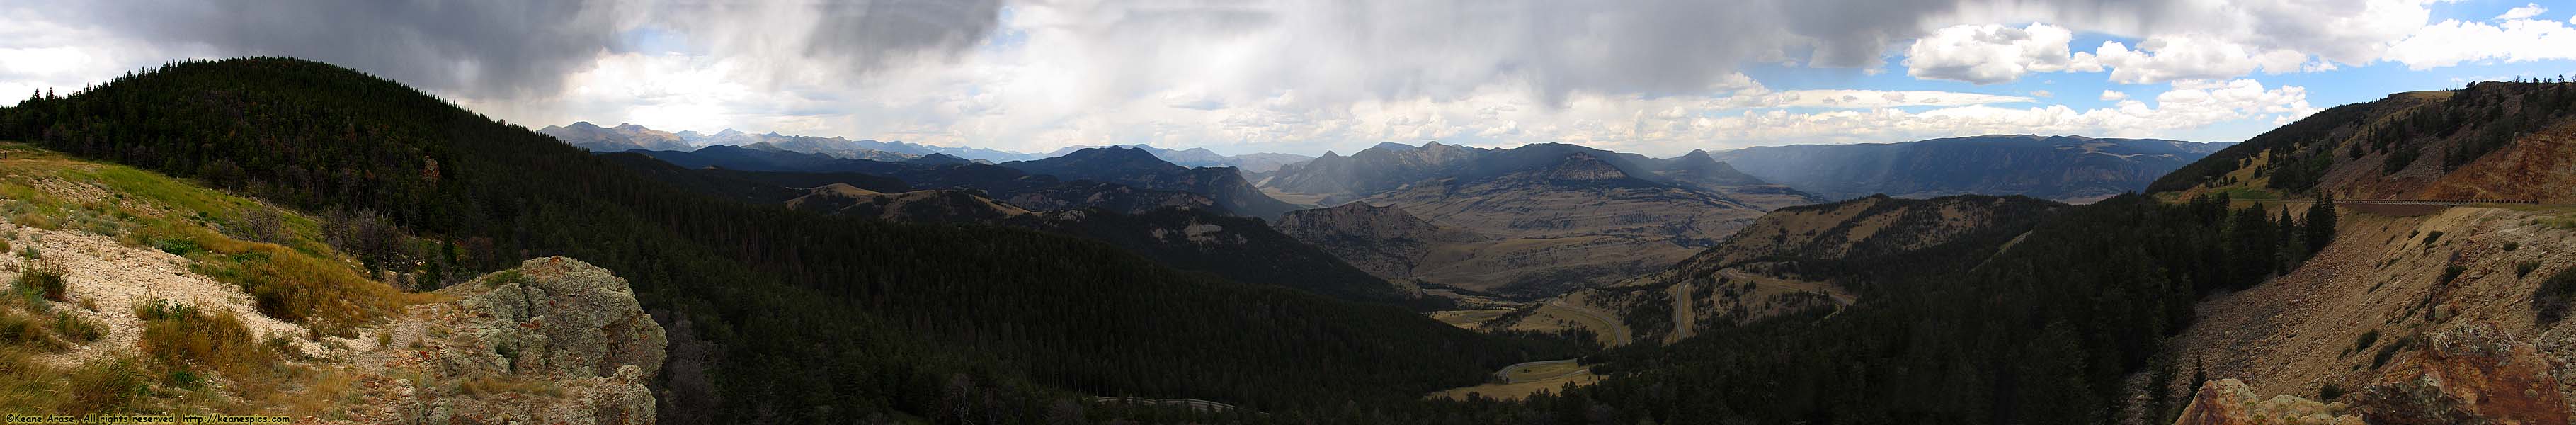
x: 1201, y: 157
x: 1527, y: 221
x: 1139, y: 168
x: 1033, y: 191
x: 2064, y: 168
x: 627, y: 136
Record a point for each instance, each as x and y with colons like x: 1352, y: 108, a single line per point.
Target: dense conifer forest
x: 793, y: 316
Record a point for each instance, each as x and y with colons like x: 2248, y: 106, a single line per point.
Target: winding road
x: 1618, y: 331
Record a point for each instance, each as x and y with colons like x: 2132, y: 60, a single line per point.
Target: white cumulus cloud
x: 2186, y: 57
x: 1989, y: 54
x: 2527, y: 10
x: 2452, y: 42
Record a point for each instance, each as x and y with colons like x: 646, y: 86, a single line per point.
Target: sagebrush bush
x: 2551, y: 299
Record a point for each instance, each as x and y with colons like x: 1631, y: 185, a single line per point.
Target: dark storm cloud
x: 871, y: 33
x: 487, y: 48
x: 518, y: 48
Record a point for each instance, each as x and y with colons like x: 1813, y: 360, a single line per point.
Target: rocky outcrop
x: 2230, y: 402
x: 555, y: 341
x: 2470, y: 374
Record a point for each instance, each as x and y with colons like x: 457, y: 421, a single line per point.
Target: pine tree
x: 2321, y: 222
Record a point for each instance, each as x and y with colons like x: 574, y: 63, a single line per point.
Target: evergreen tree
x: 2321, y: 222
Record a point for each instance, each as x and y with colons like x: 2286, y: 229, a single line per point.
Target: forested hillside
x: 2491, y: 140
x: 2038, y: 333
x: 791, y: 316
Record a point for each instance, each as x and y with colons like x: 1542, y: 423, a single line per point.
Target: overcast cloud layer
x: 1656, y: 76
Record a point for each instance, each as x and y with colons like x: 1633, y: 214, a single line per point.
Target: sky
x: 1660, y: 77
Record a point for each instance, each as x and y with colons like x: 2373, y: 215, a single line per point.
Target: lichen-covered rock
x: 2470, y: 374
x: 555, y: 341
x: 558, y: 317
x: 2230, y: 402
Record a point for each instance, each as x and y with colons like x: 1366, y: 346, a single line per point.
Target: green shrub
x: 176, y: 246
x: 2389, y: 351
x: 2452, y: 272
x: 2366, y: 340
x: 46, y: 279
x: 2329, y: 392
x: 2434, y: 236
x: 78, y: 328
x: 2551, y: 299
x: 2523, y: 269
x: 2510, y: 246
x: 502, y: 277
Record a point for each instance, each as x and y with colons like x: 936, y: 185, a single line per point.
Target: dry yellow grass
x: 1469, y: 319
x: 1519, y: 390
x: 1541, y: 371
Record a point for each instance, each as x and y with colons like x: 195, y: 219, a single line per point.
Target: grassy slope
x: 182, y: 347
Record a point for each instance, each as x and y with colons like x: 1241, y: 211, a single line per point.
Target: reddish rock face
x: 2468, y: 375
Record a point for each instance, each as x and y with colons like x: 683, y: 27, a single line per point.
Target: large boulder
x: 556, y: 317
x: 555, y: 341
x: 2230, y: 402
